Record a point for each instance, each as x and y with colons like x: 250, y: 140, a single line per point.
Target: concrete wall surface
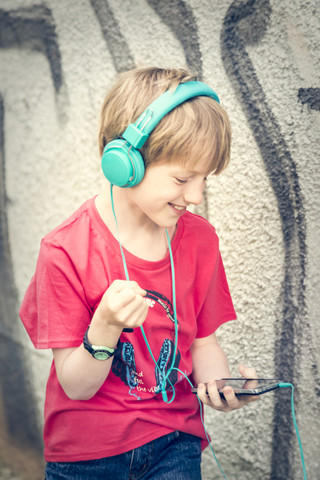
x: 57, y: 60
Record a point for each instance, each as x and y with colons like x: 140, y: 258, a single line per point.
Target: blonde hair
x: 198, y: 128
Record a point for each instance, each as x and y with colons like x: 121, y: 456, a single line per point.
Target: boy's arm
x: 209, y: 364
x: 79, y: 374
x: 122, y: 306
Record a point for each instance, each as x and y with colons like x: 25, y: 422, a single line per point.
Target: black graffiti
x: 119, y: 50
x: 184, y: 26
x: 34, y: 29
x: 311, y: 97
x: 17, y: 398
x: 247, y: 21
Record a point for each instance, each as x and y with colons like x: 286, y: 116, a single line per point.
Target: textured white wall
x: 52, y: 165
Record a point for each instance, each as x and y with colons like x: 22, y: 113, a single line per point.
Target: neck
x: 143, y: 239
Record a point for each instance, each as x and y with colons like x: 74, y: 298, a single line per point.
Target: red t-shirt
x: 77, y: 262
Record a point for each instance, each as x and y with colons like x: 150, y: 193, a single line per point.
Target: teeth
x: 178, y: 208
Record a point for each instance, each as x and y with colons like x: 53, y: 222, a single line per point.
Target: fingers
x: 209, y: 395
x: 125, y: 285
x: 123, y: 305
x: 226, y: 400
x: 247, y: 372
x: 128, y: 307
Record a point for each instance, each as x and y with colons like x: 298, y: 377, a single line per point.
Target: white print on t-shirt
x: 150, y: 303
x: 155, y: 388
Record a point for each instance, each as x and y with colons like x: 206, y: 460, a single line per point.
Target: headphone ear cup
x: 122, y: 164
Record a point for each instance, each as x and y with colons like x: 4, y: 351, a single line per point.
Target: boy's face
x: 166, y: 191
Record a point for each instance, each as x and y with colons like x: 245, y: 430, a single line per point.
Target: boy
x: 132, y: 326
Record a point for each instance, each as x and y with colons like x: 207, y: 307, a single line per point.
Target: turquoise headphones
x: 122, y: 163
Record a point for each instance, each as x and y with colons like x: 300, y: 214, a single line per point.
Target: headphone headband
x: 137, y: 133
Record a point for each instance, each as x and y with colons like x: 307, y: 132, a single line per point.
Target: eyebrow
x: 195, y: 172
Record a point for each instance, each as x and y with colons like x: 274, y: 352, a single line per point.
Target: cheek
x: 152, y: 189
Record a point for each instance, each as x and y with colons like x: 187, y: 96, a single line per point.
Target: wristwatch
x: 97, y: 351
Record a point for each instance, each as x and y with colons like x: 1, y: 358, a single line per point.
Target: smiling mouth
x: 177, y: 207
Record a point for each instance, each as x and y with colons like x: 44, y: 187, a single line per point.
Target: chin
x: 171, y: 224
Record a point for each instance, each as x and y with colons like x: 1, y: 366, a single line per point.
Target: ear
x: 122, y: 164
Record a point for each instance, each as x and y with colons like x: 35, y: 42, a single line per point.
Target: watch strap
x: 99, y: 352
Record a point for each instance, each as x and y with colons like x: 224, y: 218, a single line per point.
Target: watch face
x: 99, y: 355
x: 98, y: 352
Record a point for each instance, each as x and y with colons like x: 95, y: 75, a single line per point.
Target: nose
x: 194, y: 193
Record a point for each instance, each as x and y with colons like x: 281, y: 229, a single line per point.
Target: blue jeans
x: 176, y: 456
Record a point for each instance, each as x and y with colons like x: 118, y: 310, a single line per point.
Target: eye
x: 180, y: 180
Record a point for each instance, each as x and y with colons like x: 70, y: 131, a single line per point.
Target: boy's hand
x: 123, y: 305
x: 230, y: 400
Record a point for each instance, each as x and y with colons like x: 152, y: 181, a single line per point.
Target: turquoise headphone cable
x: 289, y: 385
x: 163, y: 391
x: 203, y: 424
x: 118, y: 235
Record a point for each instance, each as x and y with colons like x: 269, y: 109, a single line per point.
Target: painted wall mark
x: 310, y: 97
x: 17, y: 402
x: 33, y: 29
x: 119, y: 50
x: 246, y: 22
x: 184, y: 26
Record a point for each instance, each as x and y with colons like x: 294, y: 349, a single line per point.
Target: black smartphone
x: 247, y: 386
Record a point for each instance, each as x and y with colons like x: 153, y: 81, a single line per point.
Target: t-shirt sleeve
x: 218, y: 306
x: 54, y: 310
